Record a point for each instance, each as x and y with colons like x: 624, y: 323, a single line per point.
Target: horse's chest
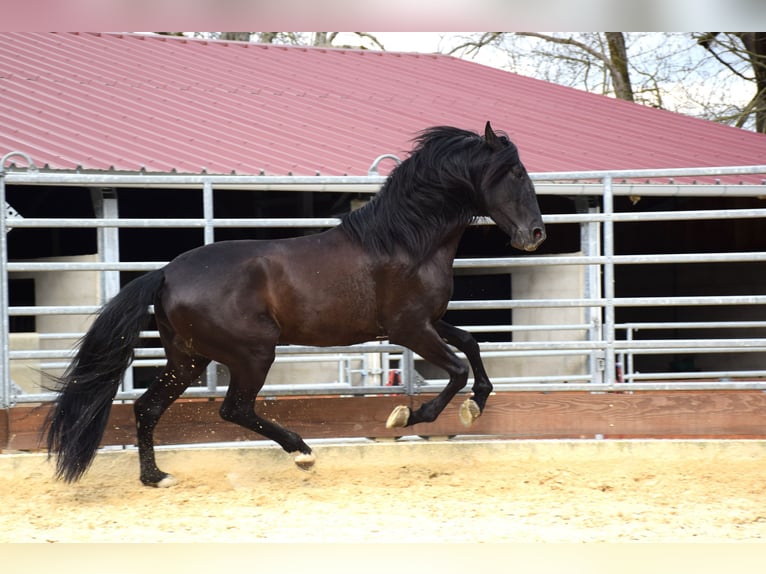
x: 425, y: 291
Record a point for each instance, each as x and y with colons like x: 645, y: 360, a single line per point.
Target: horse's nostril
x: 537, y: 233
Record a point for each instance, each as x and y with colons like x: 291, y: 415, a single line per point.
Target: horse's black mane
x: 436, y: 187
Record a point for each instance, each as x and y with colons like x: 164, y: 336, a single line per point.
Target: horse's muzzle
x: 529, y: 240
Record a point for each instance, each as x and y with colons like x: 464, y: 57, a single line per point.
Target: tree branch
x: 706, y: 41
x: 616, y: 62
x: 370, y: 37
x: 568, y: 42
x: 473, y: 46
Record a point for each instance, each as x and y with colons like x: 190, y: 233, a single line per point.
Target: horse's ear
x: 491, y: 138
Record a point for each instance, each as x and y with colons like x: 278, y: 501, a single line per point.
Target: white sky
x: 410, y: 41
x: 427, y: 42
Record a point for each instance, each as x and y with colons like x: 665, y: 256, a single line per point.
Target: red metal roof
x: 132, y: 102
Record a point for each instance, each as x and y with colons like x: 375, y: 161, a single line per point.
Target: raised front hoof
x: 305, y: 461
x: 164, y: 481
x: 399, y: 417
x: 469, y: 412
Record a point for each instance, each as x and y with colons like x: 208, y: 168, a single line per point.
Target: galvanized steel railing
x: 609, y: 348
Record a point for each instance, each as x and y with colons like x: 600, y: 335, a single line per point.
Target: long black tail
x: 76, y: 424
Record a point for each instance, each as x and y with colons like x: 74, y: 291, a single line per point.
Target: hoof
x: 398, y: 417
x: 305, y: 461
x: 165, y: 482
x: 469, y: 412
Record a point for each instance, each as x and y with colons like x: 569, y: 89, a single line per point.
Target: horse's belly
x: 336, y: 325
x: 327, y: 339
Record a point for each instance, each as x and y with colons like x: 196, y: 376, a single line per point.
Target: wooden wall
x: 671, y: 414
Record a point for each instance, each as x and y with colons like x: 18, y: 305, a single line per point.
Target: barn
x: 125, y: 150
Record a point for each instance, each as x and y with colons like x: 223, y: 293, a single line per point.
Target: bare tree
x: 617, y: 64
x: 607, y: 51
x: 605, y: 54
x: 744, y: 55
x: 663, y: 70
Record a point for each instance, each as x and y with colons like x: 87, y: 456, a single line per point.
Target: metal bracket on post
x: 5, y: 365
x: 373, y: 170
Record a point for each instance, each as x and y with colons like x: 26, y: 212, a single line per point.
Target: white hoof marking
x: 469, y: 412
x: 398, y: 417
x: 304, y: 461
x: 168, y: 481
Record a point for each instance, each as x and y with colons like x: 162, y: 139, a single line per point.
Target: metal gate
x: 580, y: 345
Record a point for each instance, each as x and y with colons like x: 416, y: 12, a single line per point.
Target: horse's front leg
x: 429, y: 344
x: 472, y: 408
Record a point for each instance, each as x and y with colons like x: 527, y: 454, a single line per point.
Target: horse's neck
x: 386, y: 228
x: 446, y: 246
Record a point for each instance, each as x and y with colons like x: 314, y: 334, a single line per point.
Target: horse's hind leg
x: 248, y: 375
x: 472, y: 408
x: 181, y: 370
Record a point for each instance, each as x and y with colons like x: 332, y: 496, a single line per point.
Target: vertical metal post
x: 208, y: 213
x: 373, y: 374
x: 108, y: 241
x: 342, y: 369
x: 386, y: 366
x: 590, y: 240
x: 5, y: 363
x: 408, y: 371
x: 108, y: 238
x: 609, y: 337
x: 629, y: 366
x: 5, y: 368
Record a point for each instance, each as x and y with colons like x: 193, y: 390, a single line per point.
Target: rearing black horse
x: 385, y: 271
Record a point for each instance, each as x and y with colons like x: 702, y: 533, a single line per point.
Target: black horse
x: 385, y: 271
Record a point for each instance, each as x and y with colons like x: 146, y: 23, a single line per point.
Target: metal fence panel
x: 608, y: 348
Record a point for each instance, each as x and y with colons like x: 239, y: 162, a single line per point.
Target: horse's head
x: 508, y: 195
